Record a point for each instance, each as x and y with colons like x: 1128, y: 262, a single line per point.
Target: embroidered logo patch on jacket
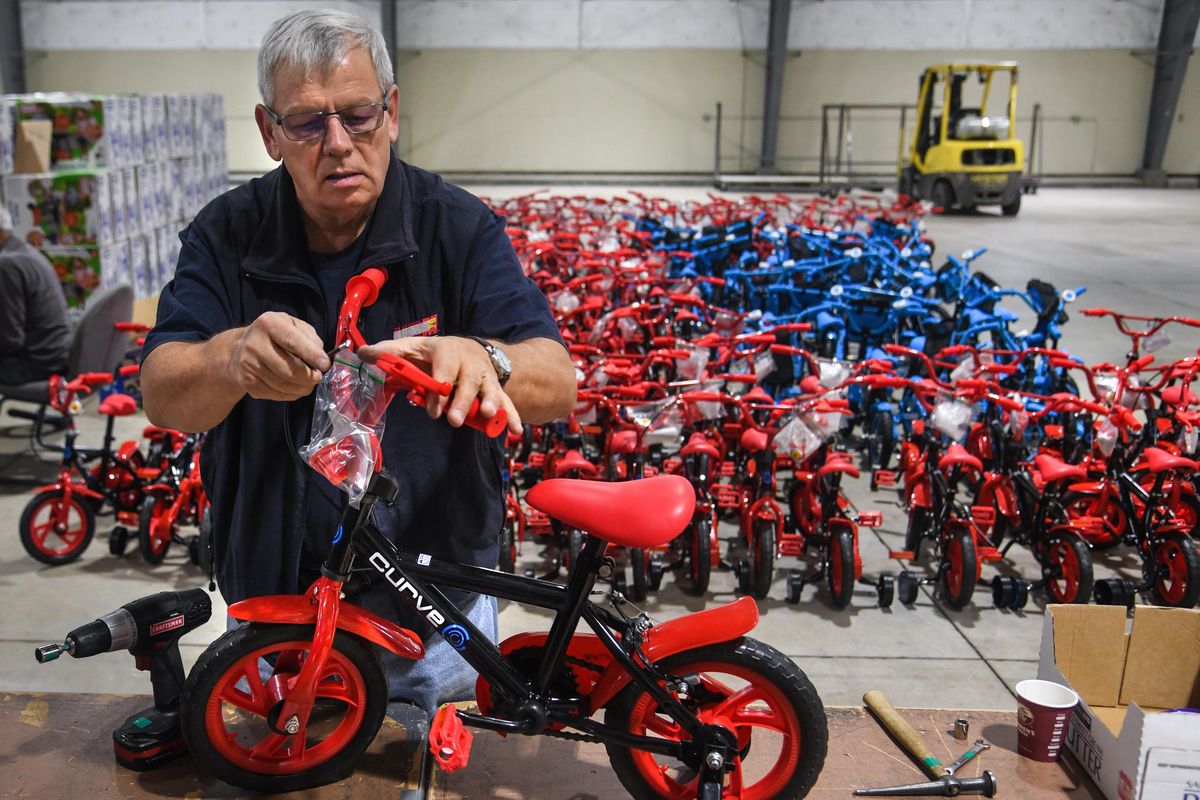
x: 422, y: 327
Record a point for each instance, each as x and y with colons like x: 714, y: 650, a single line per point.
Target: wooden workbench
x: 60, y: 745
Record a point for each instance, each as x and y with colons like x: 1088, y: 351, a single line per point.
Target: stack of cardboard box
x: 121, y: 176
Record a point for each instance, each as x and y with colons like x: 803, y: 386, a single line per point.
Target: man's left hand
x: 460, y: 362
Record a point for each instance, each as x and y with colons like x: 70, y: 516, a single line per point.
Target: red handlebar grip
x: 132, y: 327
x: 94, y: 378
x: 1095, y: 312
x: 1141, y: 363
x: 129, y: 369
x: 492, y: 426
x: 368, y: 283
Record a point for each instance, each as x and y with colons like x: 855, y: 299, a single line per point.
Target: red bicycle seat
x: 1159, y: 460
x: 574, y: 460
x: 754, y: 440
x: 698, y: 443
x: 645, y: 513
x: 1179, y: 396
x: 625, y: 442
x: 757, y: 395
x: 957, y: 454
x: 838, y: 465
x: 118, y: 405
x: 1055, y: 469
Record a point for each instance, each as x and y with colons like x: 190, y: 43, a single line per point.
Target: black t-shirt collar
x: 279, y: 249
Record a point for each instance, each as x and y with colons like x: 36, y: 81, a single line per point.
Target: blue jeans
x: 442, y: 676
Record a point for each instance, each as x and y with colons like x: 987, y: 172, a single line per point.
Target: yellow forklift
x: 961, y: 155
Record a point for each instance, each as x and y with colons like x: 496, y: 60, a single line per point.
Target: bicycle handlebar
x: 361, y: 291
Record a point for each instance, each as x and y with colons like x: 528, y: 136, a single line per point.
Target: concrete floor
x: 1134, y: 249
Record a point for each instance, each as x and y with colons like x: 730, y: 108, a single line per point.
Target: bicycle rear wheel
x: 1068, y: 570
x: 700, y: 553
x: 235, y: 692
x: 841, y: 567
x: 1177, y: 564
x: 959, y: 576
x: 746, y: 686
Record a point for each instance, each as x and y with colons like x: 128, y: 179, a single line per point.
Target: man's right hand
x: 277, y: 357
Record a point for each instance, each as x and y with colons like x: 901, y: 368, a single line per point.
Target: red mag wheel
x: 959, y: 575
x: 1177, y: 564
x: 747, y: 687
x: 236, y: 690
x: 1068, y: 573
x: 55, y: 530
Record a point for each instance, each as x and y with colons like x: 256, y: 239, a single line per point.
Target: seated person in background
x: 34, y: 333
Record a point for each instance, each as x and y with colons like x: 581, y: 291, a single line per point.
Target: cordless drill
x: 150, y: 629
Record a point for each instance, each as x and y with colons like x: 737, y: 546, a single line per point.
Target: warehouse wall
x: 651, y: 110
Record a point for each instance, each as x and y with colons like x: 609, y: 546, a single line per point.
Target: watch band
x: 500, y: 361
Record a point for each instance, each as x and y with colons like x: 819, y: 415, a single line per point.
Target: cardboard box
x: 7, y: 132
x: 79, y: 269
x: 78, y: 122
x: 64, y: 209
x: 134, y: 224
x: 1120, y: 732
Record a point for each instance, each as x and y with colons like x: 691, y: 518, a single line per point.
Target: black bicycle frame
x: 416, y: 579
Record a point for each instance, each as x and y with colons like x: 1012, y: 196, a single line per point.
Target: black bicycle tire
x: 227, y: 651
x: 747, y: 653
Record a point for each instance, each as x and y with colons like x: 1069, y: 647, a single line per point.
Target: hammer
x: 943, y: 783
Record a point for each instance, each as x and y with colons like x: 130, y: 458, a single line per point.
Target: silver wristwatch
x: 500, y: 359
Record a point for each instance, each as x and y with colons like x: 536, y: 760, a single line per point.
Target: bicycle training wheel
x: 746, y: 686
x: 56, y: 531
x: 235, y: 692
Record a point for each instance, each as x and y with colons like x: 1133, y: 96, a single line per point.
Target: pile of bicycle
x: 767, y: 348
x: 151, y: 488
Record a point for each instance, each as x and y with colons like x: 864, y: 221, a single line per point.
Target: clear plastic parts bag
x: 952, y: 417
x: 797, y: 440
x: 347, y: 424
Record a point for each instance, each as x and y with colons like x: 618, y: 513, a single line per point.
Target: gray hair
x: 6, y: 223
x: 315, y: 41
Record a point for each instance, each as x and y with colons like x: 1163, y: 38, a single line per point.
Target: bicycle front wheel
x: 234, y: 694
x: 746, y: 686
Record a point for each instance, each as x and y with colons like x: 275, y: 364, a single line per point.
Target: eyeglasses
x: 309, y: 125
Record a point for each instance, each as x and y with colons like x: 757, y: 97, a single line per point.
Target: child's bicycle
x: 58, y: 523
x: 692, y: 708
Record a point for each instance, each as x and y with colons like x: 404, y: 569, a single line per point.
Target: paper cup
x: 1043, y: 713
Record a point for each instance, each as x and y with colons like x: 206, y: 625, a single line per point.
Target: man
x: 34, y: 333
x: 244, y: 330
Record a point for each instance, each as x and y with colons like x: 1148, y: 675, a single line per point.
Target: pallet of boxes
x: 103, y: 184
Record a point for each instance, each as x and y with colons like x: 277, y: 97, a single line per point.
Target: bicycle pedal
x: 983, y: 516
x: 449, y: 739
x: 988, y: 554
x: 870, y: 519
x: 884, y: 477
